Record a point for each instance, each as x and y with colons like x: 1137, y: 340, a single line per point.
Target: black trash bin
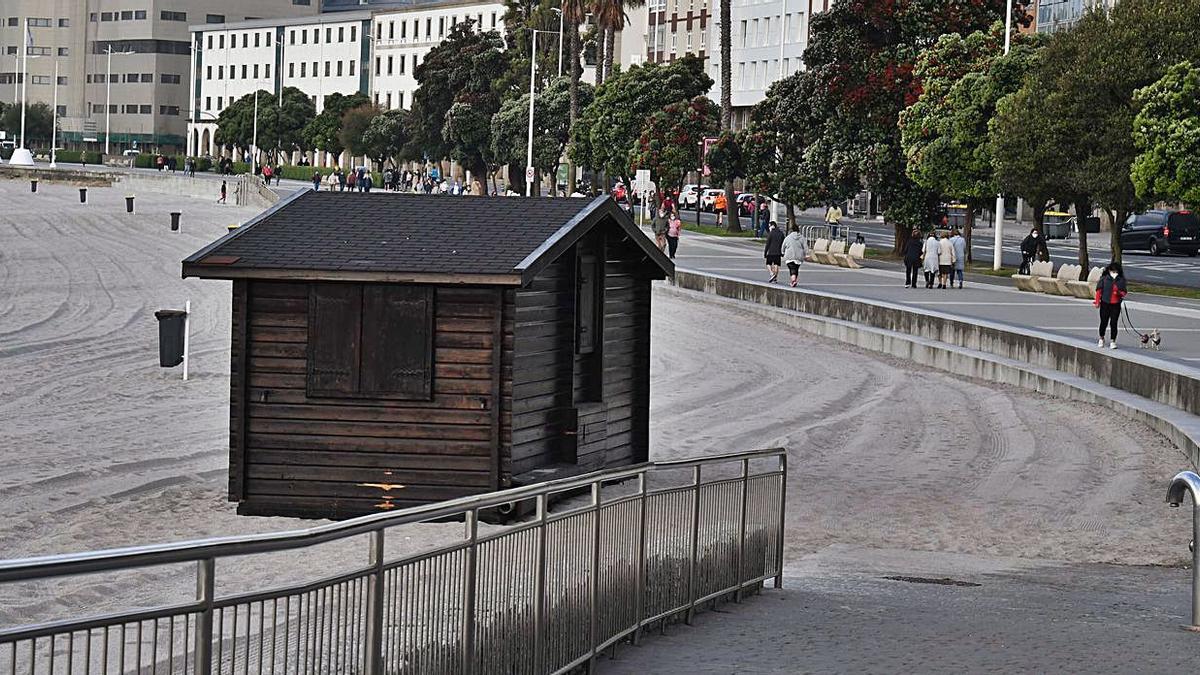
x: 33, y: 185
x: 82, y: 195
x: 129, y: 204
x: 170, y: 336
x: 175, y: 220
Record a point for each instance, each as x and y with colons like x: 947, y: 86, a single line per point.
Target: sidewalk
x: 986, y: 298
x: 839, y: 613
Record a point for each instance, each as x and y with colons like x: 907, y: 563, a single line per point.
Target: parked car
x: 708, y: 198
x: 689, y: 195
x: 1160, y: 231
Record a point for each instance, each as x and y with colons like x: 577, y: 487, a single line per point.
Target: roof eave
x: 203, y: 271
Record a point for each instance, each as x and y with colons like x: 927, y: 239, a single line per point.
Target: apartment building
x: 403, y: 37
x: 371, y: 52
x: 142, y: 99
x: 1056, y: 15
x: 662, y: 30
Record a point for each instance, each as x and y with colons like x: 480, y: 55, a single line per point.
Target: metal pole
x: 54, y: 129
x: 640, y: 574
x: 695, y: 545
x: 471, y: 519
x: 741, y: 564
x: 539, y: 585
x: 187, y: 335
x: 254, y: 141
x: 24, y: 79
x: 998, y: 244
x: 1195, y: 564
x: 205, y: 588
x: 529, y: 149
x: 782, y: 521
x: 593, y: 609
x: 107, y: 101
x: 560, y: 42
x: 375, y: 583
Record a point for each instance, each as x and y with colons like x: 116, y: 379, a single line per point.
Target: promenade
x: 985, y: 298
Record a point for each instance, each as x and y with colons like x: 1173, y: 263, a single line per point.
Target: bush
x: 79, y: 156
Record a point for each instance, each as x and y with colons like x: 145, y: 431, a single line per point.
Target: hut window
x: 589, y: 283
x: 370, y: 341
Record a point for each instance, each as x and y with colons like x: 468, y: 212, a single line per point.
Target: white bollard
x: 187, y: 335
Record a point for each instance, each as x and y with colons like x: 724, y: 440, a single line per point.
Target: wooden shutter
x: 397, y: 341
x: 334, y: 343
x: 586, y: 328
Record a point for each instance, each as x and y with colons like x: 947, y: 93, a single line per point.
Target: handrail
x: 635, y: 574
x: 1183, y: 482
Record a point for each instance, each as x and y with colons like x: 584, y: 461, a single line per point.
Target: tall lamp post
x: 529, y: 170
x: 108, y: 97
x: 54, y: 126
x: 998, y: 244
x: 560, y: 38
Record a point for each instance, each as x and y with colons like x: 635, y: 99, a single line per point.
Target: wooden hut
x: 391, y: 350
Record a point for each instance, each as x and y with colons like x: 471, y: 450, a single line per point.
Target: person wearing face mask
x: 1110, y: 292
x: 1033, y: 247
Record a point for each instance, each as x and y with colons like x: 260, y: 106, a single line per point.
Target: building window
x: 306, y: 3
x: 303, y: 37
x: 392, y: 30
x: 63, y: 51
x: 167, y: 15
x: 353, y: 33
x: 245, y: 40
x: 168, y: 78
x: 172, y: 110
x: 214, y: 18
x: 220, y: 101
x: 494, y: 21
x: 93, y: 17
x: 403, y: 29
x: 302, y: 68
x: 148, y: 77
x: 208, y: 103
x: 38, y: 51
x: 390, y: 65
x: 106, y: 16
x: 38, y: 23
x: 744, y: 33
x: 370, y: 341
x: 401, y: 64
x: 341, y: 33
x: 62, y: 110
x: 400, y: 99
x: 292, y: 37
x: 256, y: 71
x: 351, y: 67
x: 243, y: 71
x: 145, y: 109
x: 62, y: 80
x: 378, y: 66
x: 208, y: 73
x: 210, y: 42
x: 221, y: 72
x: 39, y: 79
x: 441, y: 26
x: 291, y: 70
x: 221, y: 41
x: 327, y: 68
x: 428, y: 28
x: 139, y: 15
x: 267, y: 70
x: 414, y: 64
x: 64, y: 23
x: 389, y: 100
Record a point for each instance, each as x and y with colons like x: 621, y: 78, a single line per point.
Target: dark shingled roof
x: 379, y: 232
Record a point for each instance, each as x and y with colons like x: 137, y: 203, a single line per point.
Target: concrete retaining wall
x: 43, y: 174
x: 1132, y: 385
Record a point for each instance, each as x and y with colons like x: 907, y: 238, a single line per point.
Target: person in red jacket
x: 1110, y: 291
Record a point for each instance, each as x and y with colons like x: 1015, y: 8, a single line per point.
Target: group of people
x: 667, y: 226
x: 791, y: 250
x: 941, y: 259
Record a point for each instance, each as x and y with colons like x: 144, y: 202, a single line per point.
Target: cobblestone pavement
x: 839, y: 613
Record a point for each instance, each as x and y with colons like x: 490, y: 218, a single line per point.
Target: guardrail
x: 542, y: 595
x: 1189, y: 482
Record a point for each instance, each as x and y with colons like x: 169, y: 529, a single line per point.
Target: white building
x: 403, y: 37
x: 769, y: 39
x: 372, y: 52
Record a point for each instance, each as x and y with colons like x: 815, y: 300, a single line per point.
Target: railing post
x: 539, y: 584
x: 741, y: 563
x: 692, y: 562
x: 206, y: 577
x: 782, y: 515
x: 375, y: 583
x: 640, y: 577
x: 1195, y: 562
x: 469, y: 585
x: 594, y: 586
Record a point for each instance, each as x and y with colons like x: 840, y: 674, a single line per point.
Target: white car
x: 689, y: 195
x: 708, y: 198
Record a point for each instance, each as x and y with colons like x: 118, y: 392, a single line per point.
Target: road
x: 1169, y: 270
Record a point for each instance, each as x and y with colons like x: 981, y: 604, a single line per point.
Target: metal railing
x: 1188, y: 482
x: 544, y: 594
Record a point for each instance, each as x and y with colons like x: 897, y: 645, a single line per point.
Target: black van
x: 1162, y: 232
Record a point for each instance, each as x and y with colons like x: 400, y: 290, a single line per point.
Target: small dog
x: 1152, y: 340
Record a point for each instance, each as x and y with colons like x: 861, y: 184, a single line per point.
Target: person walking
x: 224, y: 188
x: 719, y: 206
x: 674, y: 226
x: 316, y: 181
x: 773, y: 251
x: 960, y: 257
x: 659, y: 224
x: 1110, y: 292
x: 266, y: 174
x: 1033, y: 247
x: 912, y: 259
x: 833, y: 218
x: 930, y: 258
x: 795, y: 250
x: 762, y: 216
x: 945, y: 261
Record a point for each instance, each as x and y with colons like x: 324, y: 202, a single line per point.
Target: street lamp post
x: 54, y: 129
x: 998, y: 244
x: 254, y: 141
x: 108, y: 97
x: 529, y: 149
x: 560, y: 38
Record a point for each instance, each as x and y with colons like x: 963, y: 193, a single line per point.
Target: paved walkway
x: 839, y: 613
x: 988, y: 298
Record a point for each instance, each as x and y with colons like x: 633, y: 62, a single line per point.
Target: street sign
x: 529, y: 174
x: 705, y: 147
x: 643, y: 181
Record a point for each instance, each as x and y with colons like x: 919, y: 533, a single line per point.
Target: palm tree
x: 735, y: 224
x: 573, y: 15
x: 611, y: 17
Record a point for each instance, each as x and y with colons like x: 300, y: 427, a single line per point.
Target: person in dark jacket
x: 912, y: 259
x: 773, y: 251
x: 1033, y: 247
x: 1110, y: 292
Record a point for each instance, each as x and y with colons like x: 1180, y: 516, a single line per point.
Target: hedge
x: 79, y: 156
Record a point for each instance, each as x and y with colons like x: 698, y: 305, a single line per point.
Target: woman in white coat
x: 930, y: 259
x: 795, y: 250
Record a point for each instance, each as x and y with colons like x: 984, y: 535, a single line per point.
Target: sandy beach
x: 102, y: 448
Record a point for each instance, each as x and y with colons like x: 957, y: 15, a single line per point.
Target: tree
x: 1024, y: 137
x: 456, y: 97
x: 509, y: 126
x: 574, y: 12
x: 605, y: 136
x: 670, y: 140
x: 784, y: 146
x: 611, y: 16
x: 734, y: 223
x: 39, y: 122
x: 944, y: 134
x: 724, y: 159
x: 386, y: 136
x: 1166, y: 133
x: 863, y: 53
x: 323, y: 132
x: 355, y: 123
